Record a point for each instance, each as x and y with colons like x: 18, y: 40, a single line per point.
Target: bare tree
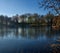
x: 51, y: 5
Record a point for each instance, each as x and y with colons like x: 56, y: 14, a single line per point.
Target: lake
x: 27, y: 40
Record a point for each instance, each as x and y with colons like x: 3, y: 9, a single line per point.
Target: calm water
x: 26, y: 40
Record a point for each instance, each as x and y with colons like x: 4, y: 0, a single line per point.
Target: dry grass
x: 55, y: 48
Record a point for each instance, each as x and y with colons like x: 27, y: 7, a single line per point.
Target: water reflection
x: 28, y: 33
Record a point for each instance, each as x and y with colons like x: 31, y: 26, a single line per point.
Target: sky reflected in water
x: 14, y: 40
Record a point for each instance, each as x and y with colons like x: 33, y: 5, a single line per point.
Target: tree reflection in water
x: 27, y: 33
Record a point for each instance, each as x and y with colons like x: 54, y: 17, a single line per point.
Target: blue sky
x: 12, y: 7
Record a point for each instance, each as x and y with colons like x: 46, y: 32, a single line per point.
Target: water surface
x: 25, y: 40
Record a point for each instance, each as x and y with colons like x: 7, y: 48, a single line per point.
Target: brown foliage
x: 56, y: 22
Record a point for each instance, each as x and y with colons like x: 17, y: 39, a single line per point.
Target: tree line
x: 28, y: 19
